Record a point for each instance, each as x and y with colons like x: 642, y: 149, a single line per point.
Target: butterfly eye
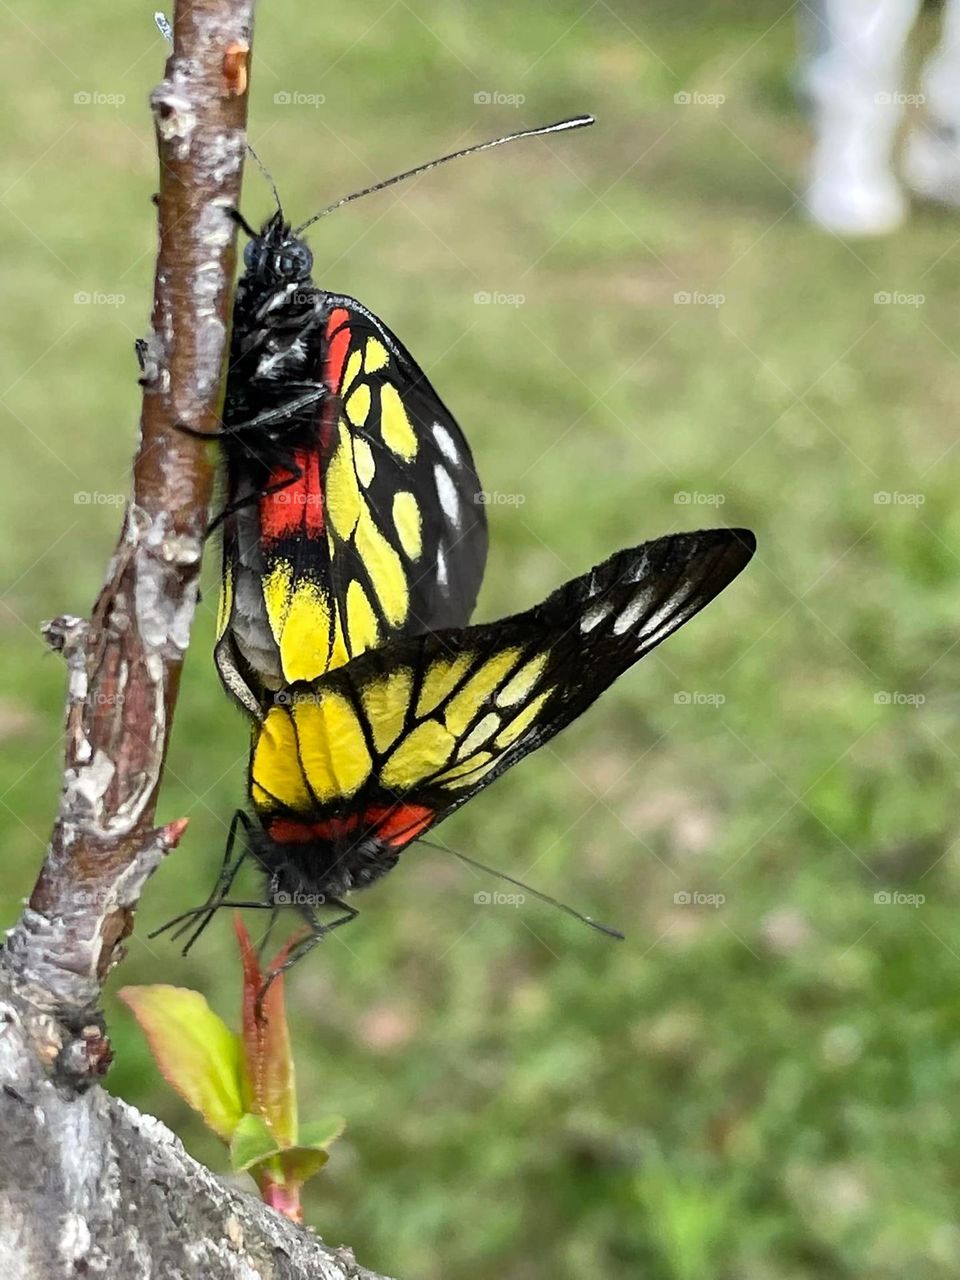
x: 252, y: 255
x: 296, y: 261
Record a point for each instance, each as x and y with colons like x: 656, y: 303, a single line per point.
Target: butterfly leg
x: 228, y: 872
x: 318, y: 930
x: 295, y: 474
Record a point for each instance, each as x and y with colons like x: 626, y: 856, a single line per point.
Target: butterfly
x: 348, y: 769
x: 353, y: 512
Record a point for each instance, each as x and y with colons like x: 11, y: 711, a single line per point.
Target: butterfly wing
x: 402, y: 736
x: 359, y: 523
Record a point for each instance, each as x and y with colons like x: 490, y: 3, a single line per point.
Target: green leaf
x: 310, y: 1154
x: 253, y: 1143
x: 266, y: 1039
x: 197, y: 1054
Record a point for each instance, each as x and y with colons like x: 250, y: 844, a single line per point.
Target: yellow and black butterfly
x: 348, y: 769
x: 353, y: 511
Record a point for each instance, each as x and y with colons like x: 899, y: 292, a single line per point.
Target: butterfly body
x: 351, y: 510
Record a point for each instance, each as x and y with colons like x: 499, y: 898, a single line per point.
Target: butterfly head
x: 276, y: 256
x: 306, y: 863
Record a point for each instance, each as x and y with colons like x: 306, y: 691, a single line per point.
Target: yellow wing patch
x: 471, y: 771
x: 225, y: 606
x: 479, y: 734
x: 361, y: 620
x: 365, y: 462
x: 332, y: 746
x: 521, y: 722
x: 275, y: 771
x: 383, y: 565
x: 398, y: 434
x: 464, y: 705
x: 352, y: 369
x: 421, y: 753
x: 305, y: 641
x: 385, y: 702
x: 358, y: 406
x: 343, y: 493
x: 376, y: 355
x: 518, y: 686
x: 276, y: 596
x: 442, y: 676
x: 406, y: 521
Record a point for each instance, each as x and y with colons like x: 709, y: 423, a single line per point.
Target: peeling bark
x: 87, y: 1186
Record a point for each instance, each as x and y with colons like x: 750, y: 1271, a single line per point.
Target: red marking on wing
x: 338, y: 340
x: 396, y: 825
x: 297, y: 506
x: 399, y: 824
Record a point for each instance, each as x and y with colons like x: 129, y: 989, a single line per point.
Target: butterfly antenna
x: 575, y: 122
x: 543, y: 897
x: 269, y: 177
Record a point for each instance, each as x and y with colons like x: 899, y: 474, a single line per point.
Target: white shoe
x: 861, y: 204
x: 931, y: 163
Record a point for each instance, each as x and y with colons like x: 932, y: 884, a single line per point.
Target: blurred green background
x: 763, y: 1089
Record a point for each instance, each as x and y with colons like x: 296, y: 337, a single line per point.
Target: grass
x: 760, y: 1090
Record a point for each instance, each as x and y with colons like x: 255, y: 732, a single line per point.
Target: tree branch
x: 86, y: 1185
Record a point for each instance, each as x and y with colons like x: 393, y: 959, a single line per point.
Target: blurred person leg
x: 931, y: 161
x: 854, y: 79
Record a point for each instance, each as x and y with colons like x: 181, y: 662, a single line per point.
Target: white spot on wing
x: 441, y: 568
x: 630, y: 616
x: 446, y: 442
x: 594, y: 616
x: 448, y: 495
